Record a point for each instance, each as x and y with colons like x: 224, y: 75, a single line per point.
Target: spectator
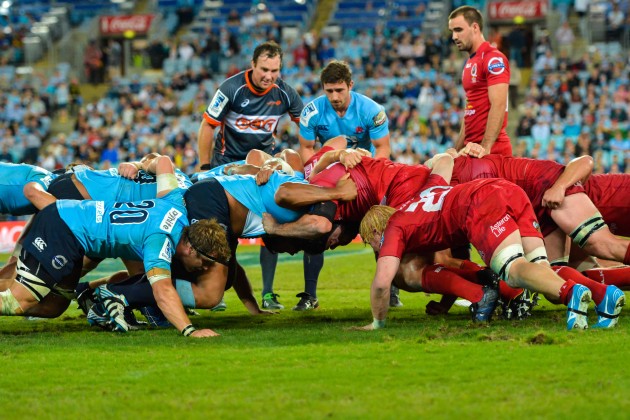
x: 565, y: 38
x: 93, y: 62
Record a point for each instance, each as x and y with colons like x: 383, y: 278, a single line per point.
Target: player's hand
x: 350, y: 158
x: 368, y: 327
x: 227, y: 167
x: 204, y: 333
x: 346, y: 188
x: 553, y: 197
x: 265, y: 312
x: 363, y: 152
x: 473, y: 150
x: 451, y: 151
x: 269, y: 223
x: 262, y: 177
x: 127, y: 170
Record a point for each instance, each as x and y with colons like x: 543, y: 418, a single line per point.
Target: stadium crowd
x: 572, y: 106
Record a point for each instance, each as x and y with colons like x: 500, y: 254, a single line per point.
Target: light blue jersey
x: 260, y: 199
x: 108, y: 185
x: 214, y: 172
x: 13, y: 178
x: 147, y: 230
x: 363, y: 122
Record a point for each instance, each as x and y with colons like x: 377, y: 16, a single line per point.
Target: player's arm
x: 382, y: 147
x: 37, y: 195
x: 294, y: 195
x: 578, y: 170
x: 498, y: 97
x: 243, y: 289
x: 307, y: 148
x: 348, y: 158
x: 163, y: 167
x: 443, y: 166
x: 308, y: 226
x: 386, y: 269
x: 171, y: 305
x: 459, y: 141
x: 205, y: 144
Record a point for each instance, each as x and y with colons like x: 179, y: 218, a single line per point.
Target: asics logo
x: 40, y: 244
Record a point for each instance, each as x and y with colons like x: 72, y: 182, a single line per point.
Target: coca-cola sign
x: 118, y: 25
x: 508, y: 10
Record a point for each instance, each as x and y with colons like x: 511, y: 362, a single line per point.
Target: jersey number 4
x: 431, y: 199
x: 135, y: 214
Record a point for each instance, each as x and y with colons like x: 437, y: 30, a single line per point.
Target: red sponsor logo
x: 528, y: 9
x: 116, y: 25
x: 274, y: 103
x: 257, y: 124
x: 358, y: 130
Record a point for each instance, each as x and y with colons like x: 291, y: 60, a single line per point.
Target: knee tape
x: 185, y: 292
x: 560, y: 262
x: 538, y: 255
x: 502, y: 262
x: 166, y: 182
x: 10, y: 305
x: 580, y: 234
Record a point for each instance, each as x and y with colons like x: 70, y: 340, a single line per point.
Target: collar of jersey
x: 482, y: 48
x: 251, y: 87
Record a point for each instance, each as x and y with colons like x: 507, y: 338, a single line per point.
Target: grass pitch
x: 308, y: 365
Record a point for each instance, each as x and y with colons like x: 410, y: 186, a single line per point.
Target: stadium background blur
x: 107, y: 81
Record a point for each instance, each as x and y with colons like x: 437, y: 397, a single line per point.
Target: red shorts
x: 496, y: 212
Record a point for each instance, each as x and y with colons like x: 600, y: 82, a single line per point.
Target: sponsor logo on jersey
x: 256, y: 124
x: 218, y: 103
x: 274, y: 103
x: 39, y: 244
x: 168, y: 222
x: 100, y: 210
x: 245, y: 103
x: 166, y: 253
x: 496, y: 65
x: 309, y: 111
x: 380, y: 118
x: 321, y: 128
x: 359, y: 130
x: 59, y: 261
x: 536, y: 226
x: 497, y: 229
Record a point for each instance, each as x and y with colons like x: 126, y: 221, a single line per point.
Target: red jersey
x: 312, y: 161
x: 486, y: 67
x: 483, y: 212
x: 611, y: 195
x: 532, y: 175
x: 378, y: 181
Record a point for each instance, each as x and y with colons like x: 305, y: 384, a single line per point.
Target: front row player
x: 497, y: 218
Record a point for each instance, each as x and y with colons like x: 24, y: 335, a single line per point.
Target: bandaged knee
x: 10, y: 305
x: 580, y: 235
x: 502, y: 261
x: 166, y: 182
x: 538, y: 255
x: 560, y: 262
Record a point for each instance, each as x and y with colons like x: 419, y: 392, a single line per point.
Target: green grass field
x: 308, y: 365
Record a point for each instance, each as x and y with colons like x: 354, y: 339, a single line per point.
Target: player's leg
x: 579, y: 218
x: 268, y: 261
x: 509, y: 262
x: 313, y: 264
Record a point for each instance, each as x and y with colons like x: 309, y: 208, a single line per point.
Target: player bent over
x: 494, y: 215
